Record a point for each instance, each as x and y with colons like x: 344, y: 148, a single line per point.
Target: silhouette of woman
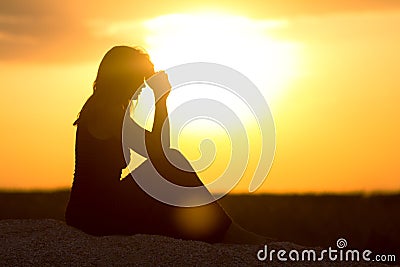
x: 103, y: 204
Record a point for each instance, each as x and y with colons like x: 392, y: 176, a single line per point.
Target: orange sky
x: 336, y: 116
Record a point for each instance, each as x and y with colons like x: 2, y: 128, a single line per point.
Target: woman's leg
x: 176, y: 168
x: 208, y: 223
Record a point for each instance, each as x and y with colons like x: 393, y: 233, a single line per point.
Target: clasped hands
x: 160, y: 85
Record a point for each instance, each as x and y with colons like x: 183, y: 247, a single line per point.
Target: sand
x: 53, y: 243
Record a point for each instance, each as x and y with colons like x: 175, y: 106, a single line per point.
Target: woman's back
x: 98, y: 166
x: 98, y: 162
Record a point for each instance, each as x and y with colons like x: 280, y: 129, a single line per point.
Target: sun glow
x: 238, y: 42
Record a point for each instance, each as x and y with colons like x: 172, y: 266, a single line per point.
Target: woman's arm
x: 145, y: 143
x: 159, y: 137
x: 134, y: 136
x: 142, y: 141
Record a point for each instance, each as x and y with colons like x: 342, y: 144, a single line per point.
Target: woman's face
x: 139, y: 85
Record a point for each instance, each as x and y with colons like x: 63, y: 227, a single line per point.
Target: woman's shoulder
x: 102, y: 121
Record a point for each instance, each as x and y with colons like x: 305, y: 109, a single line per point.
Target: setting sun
x: 239, y: 42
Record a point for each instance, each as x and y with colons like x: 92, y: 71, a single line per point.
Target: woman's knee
x: 178, y: 160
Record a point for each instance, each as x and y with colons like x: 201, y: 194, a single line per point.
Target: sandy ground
x: 53, y: 243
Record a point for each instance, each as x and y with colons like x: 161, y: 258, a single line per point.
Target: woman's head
x: 121, y: 72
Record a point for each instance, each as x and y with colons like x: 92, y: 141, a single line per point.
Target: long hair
x: 120, y: 73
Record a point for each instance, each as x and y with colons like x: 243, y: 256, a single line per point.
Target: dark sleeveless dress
x: 102, y: 204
